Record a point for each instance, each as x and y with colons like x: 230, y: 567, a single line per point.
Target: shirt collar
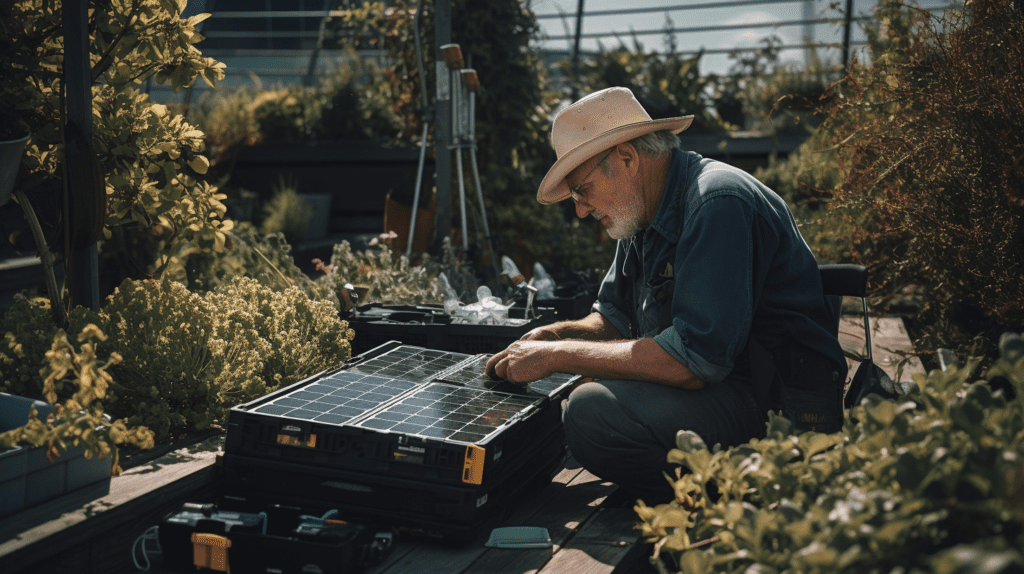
x: 668, y: 220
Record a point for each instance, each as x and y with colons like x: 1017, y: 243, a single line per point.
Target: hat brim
x: 553, y: 187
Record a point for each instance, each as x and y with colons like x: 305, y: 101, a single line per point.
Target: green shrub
x: 928, y: 137
x: 761, y: 94
x: 921, y: 481
x: 28, y: 330
x: 381, y: 275
x: 80, y: 420
x: 248, y: 253
x: 667, y: 84
x: 302, y: 336
x: 281, y: 115
x: 188, y: 357
x: 356, y: 103
x: 916, y: 482
x: 286, y: 212
x: 167, y: 380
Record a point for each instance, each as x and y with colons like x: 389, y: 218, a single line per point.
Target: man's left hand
x: 523, y: 361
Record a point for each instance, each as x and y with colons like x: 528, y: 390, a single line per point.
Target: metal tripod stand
x: 464, y: 84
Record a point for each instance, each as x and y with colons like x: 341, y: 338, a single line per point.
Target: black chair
x: 849, y: 280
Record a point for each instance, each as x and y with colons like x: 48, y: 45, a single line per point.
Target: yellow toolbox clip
x: 211, y: 551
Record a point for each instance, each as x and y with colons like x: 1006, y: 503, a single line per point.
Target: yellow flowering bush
x: 80, y: 420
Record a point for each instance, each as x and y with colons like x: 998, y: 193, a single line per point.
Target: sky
x: 764, y: 12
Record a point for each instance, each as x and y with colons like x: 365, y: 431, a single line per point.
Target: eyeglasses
x: 574, y: 191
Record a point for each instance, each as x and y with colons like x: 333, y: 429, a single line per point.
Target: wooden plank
x: 431, y: 557
x: 63, y: 534
x: 562, y: 516
x: 606, y: 542
x: 890, y: 345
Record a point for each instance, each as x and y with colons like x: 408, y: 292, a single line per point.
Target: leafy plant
x: 80, y: 420
x: 190, y: 357
x: 381, y: 276
x: 281, y: 115
x: 29, y: 329
x: 150, y: 160
x: 924, y: 480
x: 667, y: 84
x: 761, y: 94
x: 248, y: 253
x: 928, y: 139
x: 171, y: 377
x: 286, y: 212
x: 303, y: 336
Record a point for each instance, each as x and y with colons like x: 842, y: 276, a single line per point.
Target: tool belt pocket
x: 812, y: 395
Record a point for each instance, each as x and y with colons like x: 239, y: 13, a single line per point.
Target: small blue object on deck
x: 519, y: 537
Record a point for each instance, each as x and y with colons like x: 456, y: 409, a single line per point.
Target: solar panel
x: 409, y: 363
x: 337, y: 398
x: 433, y: 393
x: 450, y: 412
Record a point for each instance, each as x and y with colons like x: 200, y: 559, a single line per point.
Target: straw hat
x: 593, y: 124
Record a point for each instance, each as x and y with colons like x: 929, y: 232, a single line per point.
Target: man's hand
x: 542, y: 333
x: 523, y: 361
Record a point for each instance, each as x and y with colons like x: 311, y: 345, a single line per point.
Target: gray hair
x: 655, y: 144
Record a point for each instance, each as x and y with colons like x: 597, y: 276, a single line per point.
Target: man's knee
x: 588, y: 405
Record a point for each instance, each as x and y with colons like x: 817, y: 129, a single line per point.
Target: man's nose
x: 583, y: 210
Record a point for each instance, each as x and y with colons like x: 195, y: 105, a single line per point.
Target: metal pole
x: 442, y: 122
x: 576, y: 48
x: 462, y: 200
x: 808, y: 15
x: 416, y: 192
x: 458, y: 111
x: 846, y: 33
x: 84, y: 261
x: 427, y: 117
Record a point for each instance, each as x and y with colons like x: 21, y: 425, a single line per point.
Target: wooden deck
x: 92, y: 531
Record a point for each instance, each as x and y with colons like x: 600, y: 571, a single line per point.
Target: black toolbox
x: 428, y: 326
x: 411, y: 436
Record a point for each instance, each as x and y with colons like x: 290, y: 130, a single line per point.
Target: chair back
x: 840, y: 280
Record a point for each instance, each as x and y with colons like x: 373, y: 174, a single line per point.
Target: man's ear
x: 629, y: 156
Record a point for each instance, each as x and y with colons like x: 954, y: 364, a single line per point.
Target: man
x: 711, y: 314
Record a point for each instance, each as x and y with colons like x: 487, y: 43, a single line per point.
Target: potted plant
x: 13, y: 135
x: 48, y: 449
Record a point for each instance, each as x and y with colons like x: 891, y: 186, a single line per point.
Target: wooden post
x: 84, y: 271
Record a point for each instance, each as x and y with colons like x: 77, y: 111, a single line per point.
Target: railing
x: 845, y: 18
x: 286, y: 48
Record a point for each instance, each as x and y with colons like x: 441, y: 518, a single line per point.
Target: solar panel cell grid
x: 443, y: 411
x: 337, y: 398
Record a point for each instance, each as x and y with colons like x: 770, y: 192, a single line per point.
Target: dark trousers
x: 622, y: 430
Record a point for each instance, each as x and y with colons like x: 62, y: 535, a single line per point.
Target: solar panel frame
x: 356, y: 391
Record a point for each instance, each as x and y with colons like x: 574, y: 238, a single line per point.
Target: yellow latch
x: 473, y: 469
x: 211, y: 551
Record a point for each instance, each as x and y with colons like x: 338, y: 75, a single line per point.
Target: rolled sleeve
x: 616, y: 317
x: 672, y: 343
x: 712, y: 307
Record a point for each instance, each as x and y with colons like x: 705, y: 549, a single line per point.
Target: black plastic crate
x: 402, y: 411
x: 448, y: 511
x: 428, y: 326
x: 570, y: 301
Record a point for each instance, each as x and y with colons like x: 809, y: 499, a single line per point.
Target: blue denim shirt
x: 723, y: 261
